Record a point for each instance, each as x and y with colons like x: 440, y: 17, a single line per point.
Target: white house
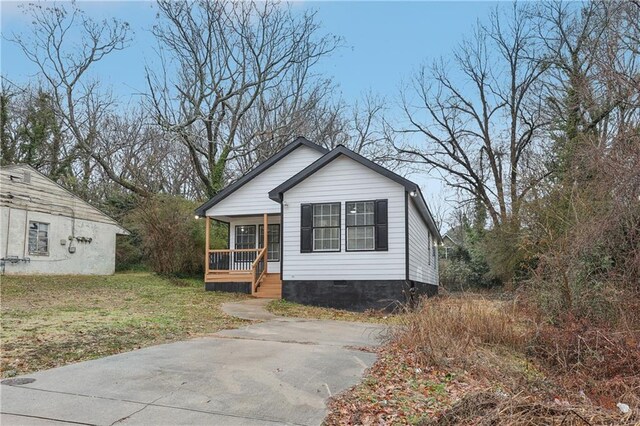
x: 340, y: 231
x: 45, y: 229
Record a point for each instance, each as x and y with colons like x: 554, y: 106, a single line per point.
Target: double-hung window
x: 273, y: 241
x: 245, y: 239
x: 39, y: 238
x: 360, y: 225
x: 326, y: 227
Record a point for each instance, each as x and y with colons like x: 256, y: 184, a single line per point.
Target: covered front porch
x: 250, y: 262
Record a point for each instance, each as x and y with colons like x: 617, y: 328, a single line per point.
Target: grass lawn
x: 56, y: 320
x: 289, y: 309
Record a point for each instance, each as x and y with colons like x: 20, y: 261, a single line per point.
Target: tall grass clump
x: 447, y: 330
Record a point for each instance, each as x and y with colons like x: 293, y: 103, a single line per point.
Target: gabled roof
x: 410, y: 187
x: 299, y: 141
x: 8, y: 195
x: 276, y: 193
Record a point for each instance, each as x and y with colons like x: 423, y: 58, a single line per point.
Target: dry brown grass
x: 491, y: 408
x: 445, y: 329
x: 474, y: 360
x: 289, y: 309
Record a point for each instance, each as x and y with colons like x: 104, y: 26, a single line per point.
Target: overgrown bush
x: 585, y: 236
x: 466, y: 266
x: 171, y: 240
x: 455, y: 275
x: 516, y: 369
x: 129, y: 254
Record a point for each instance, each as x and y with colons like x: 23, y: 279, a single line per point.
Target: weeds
x: 446, y: 329
x: 473, y: 360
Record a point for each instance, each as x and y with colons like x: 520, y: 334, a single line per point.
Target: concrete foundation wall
x: 355, y: 295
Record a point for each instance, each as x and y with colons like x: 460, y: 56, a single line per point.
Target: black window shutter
x: 382, y: 227
x: 306, y: 220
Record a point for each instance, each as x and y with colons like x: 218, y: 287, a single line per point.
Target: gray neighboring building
x: 47, y: 230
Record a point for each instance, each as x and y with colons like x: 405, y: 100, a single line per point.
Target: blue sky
x: 384, y: 43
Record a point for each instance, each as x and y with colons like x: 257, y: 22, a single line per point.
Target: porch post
x: 266, y: 242
x: 207, y: 232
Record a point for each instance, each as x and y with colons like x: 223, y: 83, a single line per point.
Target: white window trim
x: 314, y: 228
x: 347, y: 226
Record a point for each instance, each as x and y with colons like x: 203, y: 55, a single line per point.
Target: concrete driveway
x: 281, y: 371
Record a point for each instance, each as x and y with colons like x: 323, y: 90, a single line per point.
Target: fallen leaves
x: 396, y: 390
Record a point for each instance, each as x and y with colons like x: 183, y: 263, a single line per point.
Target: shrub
x: 455, y: 275
x: 172, y: 241
x: 586, y: 240
x: 129, y: 255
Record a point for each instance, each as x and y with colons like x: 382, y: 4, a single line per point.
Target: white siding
x: 344, y: 180
x: 273, y: 267
x: 94, y: 258
x: 423, y: 262
x: 253, y: 197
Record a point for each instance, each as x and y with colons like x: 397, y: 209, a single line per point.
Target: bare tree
x: 475, y: 120
x: 64, y: 65
x: 593, y: 79
x: 139, y: 152
x: 371, y: 135
x: 361, y: 127
x: 277, y: 120
x: 229, y: 58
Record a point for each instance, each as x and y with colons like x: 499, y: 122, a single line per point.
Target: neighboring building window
x: 326, y: 227
x: 39, y: 238
x: 429, y: 246
x: 360, y: 225
x: 273, y: 238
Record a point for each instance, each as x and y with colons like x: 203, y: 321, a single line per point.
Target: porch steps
x: 270, y: 287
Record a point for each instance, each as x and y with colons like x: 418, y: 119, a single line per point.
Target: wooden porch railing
x: 244, y: 264
x: 259, y: 270
x: 240, y: 261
